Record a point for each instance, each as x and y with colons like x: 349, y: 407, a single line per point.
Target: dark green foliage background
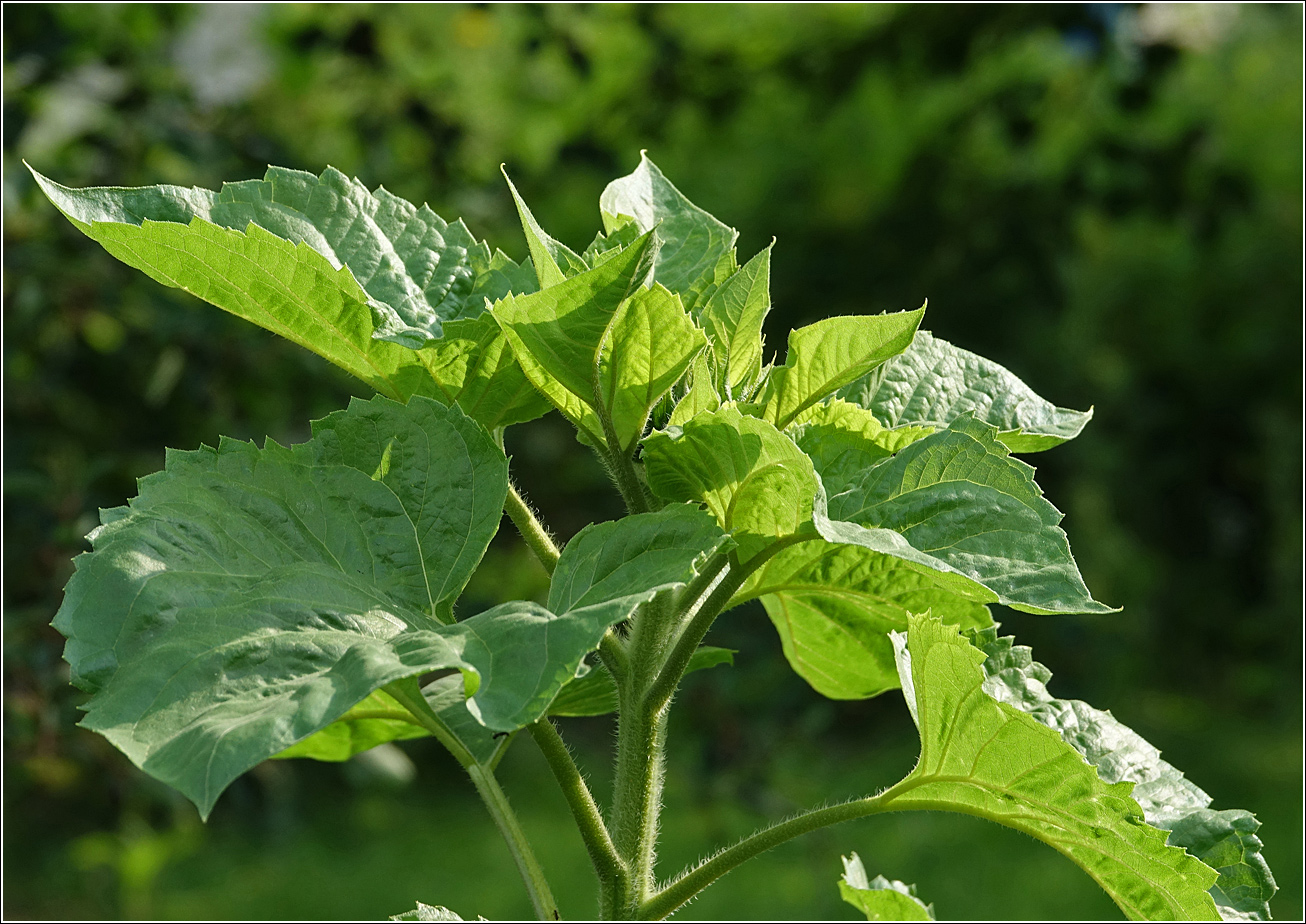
x: 1109, y: 206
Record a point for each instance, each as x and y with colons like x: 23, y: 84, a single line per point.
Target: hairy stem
x: 690, y: 883
x: 487, y: 787
x: 608, y: 864
x: 622, y: 468
x: 531, y: 529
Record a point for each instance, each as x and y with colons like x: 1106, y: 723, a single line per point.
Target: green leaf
x: 553, y: 261
x: 985, y: 758
x: 633, y: 558
x: 361, y: 279
x: 417, y: 451
x: 753, y: 479
x: 1225, y: 840
x: 595, y: 693
x: 248, y: 598
x: 697, y: 252
x: 702, y: 395
x: 881, y: 899
x: 648, y: 348
x: 375, y: 720
x: 473, y: 366
x: 834, y: 607
x: 557, y: 333
x: 606, y: 246
x: 956, y: 506
x: 825, y: 356
x: 933, y: 383
x: 733, y: 319
x: 380, y: 718
x: 843, y: 440
x: 427, y: 913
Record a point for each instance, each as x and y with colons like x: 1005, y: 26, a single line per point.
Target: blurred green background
x: 1105, y: 198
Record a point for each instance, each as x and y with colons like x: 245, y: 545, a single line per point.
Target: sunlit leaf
x: 933, y: 383
x: 985, y: 758
x: 733, y: 319
x: 880, y: 899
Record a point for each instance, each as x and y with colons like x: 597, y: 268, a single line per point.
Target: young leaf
x: 933, y: 383
x: 553, y: 261
x: 985, y: 758
x: 921, y: 506
x: 557, y: 333
x: 1225, y: 840
x: 595, y: 693
x: 754, y: 480
x: 825, y: 356
x: 702, y: 395
x: 606, y: 246
x: 834, y: 607
x: 649, y: 346
x: 733, y: 319
x: 697, y: 251
x: 881, y: 899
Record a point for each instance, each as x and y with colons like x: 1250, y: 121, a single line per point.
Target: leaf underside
x: 880, y: 899
x: 982, y: 757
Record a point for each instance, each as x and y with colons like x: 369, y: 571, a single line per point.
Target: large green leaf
x: 825, y: 356
x: 933, y: 383
x: 880, y: 899
x: 697, y: 252
x: 361, y: 279
x: 982, y: 757
x: 754, y: 480
x: 557, y: 333
x: 956, y: 506
x: 1225, y: 840
x: 733, y: 319
x: 843, y: 440
x: 835, y: 605
x: 249, y: 598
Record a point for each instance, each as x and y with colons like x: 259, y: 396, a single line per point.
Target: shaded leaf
x: 933, y: 383
x: 985, y: 758
x: 957, y: 507
x: 753, y: 479
x: 595, y: 693
x: 881, y: 899
x: 697, y: 251
x: 1225, y: 840
x: 834, y: 607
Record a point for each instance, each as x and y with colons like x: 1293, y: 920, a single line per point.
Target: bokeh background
x: 1105, y: 198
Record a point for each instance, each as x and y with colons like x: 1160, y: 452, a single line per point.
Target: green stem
x: 612, y: 652
x: 622, y: 468
x: 690, y: 883
x: 531, y: 529
x: 496, y: 801
x: 637, y: 797
x: 603, y: 854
